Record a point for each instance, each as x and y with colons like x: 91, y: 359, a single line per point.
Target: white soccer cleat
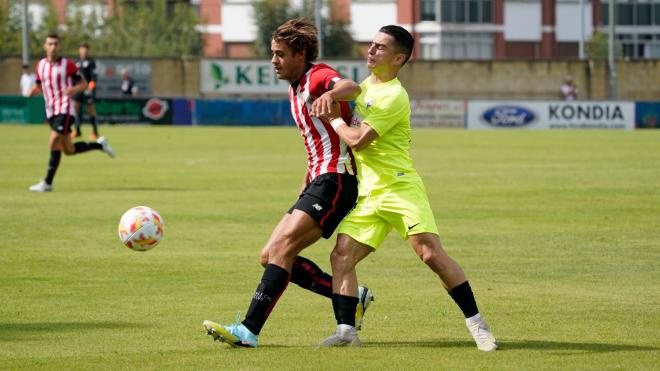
x: 481, y: 334
x: 345, y: 336
x: 365, y: 297
x: 42, y: 186
x: 103, y: 141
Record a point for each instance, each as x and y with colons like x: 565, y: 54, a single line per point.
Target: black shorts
x: 328, y: 198
x: 88, y: 98
x: 62, y: 123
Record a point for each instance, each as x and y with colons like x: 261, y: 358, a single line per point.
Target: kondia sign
x: 550, y: 115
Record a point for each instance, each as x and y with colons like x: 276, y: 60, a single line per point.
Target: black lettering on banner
x: 584, y: 112
x: 553, y: 112
x: 597, y: 112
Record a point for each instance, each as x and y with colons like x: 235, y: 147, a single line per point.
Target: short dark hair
x: 299, y: 34
x: 25, y: 66
x: 402, y: 38
x: 84, y: 45
x: 53, y: 36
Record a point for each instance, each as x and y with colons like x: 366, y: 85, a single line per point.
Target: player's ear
x: 400, y: 58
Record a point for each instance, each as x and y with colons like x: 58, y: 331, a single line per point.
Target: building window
x: 466, y: 11
x: 466, y: 45
x: 632, y: 13
x: 428, y: 10
x: 637, y: 46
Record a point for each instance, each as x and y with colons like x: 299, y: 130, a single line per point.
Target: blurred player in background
x: 327, y: 194
x: 87, y: 67
x: 59, y: 79
x: 391, y: 193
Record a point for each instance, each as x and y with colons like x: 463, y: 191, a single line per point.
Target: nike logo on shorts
x: 412, y: 226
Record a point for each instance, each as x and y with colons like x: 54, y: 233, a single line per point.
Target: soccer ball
x: 141, y: 228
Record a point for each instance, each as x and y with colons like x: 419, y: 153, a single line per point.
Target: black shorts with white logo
x: 328, y: 198
x: 62, y: 123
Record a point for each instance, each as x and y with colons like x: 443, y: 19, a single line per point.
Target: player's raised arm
x: 342, y: 90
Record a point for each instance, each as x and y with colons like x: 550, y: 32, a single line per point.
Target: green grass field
x: 558, y: 231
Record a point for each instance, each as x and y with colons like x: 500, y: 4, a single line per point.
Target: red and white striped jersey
x: 326, y: 153
x: 54, y: 79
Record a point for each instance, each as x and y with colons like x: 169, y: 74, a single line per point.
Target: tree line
x: 152, y: 28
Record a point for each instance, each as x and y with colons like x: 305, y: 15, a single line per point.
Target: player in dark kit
x: 328, y: 193
x: 59, y: 79
x: 87, y: 67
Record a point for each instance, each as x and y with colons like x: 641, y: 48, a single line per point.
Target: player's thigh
x: 364, y: 224
x: 294, y: 233
x: 277, y: 231
x: 406, y: 207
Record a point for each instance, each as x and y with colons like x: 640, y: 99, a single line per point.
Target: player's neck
x: 52, y: 58
x: 380, y: 78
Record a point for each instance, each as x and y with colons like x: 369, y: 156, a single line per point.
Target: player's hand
x: 91, y: 86
x: 322, y: 105
x: 335, y: 112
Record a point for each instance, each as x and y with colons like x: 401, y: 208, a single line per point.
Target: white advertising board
x: 439, y: 113
x: 245, y: 76
x: 550, y: 115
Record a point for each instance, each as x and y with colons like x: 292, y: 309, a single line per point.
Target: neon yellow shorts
x: 404, y: 207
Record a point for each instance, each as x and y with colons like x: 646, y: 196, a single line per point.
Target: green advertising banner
x: 133, y: 111
x: 21, y: 110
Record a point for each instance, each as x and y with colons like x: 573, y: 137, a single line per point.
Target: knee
x: 430, y: 256
x: 340, y: 260
x: 263, y: 258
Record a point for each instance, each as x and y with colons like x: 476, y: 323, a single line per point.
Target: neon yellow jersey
x: 386, y: 161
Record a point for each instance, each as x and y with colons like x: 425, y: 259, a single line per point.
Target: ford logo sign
x: 508, y: 116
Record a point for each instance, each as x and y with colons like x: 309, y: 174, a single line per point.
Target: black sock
x: 81, y: 147
x: 79, y: 119
x: 92, y: 120
x: 272, y: 285
x: 344, y: 307
x: 309, y: 276
x: 463, y: 296
x: 53, y: 164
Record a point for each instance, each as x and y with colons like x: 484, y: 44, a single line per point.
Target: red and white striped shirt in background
x: 54, y: 79
x: 326, y: 153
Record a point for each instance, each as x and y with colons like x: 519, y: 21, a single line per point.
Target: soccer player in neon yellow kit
x: 391, y: 193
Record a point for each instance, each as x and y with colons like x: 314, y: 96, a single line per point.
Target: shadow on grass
x: 19, y: 331
x: 542, y: 345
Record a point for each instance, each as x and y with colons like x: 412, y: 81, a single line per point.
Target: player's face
x: 383, y: 52
x: 83, y: 52
x: 52, y: 47
x: 287, y: 64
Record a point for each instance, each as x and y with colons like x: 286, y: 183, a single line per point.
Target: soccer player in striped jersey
x: 328, y: 192
x: 59, y: 79
x: 392, y: 194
